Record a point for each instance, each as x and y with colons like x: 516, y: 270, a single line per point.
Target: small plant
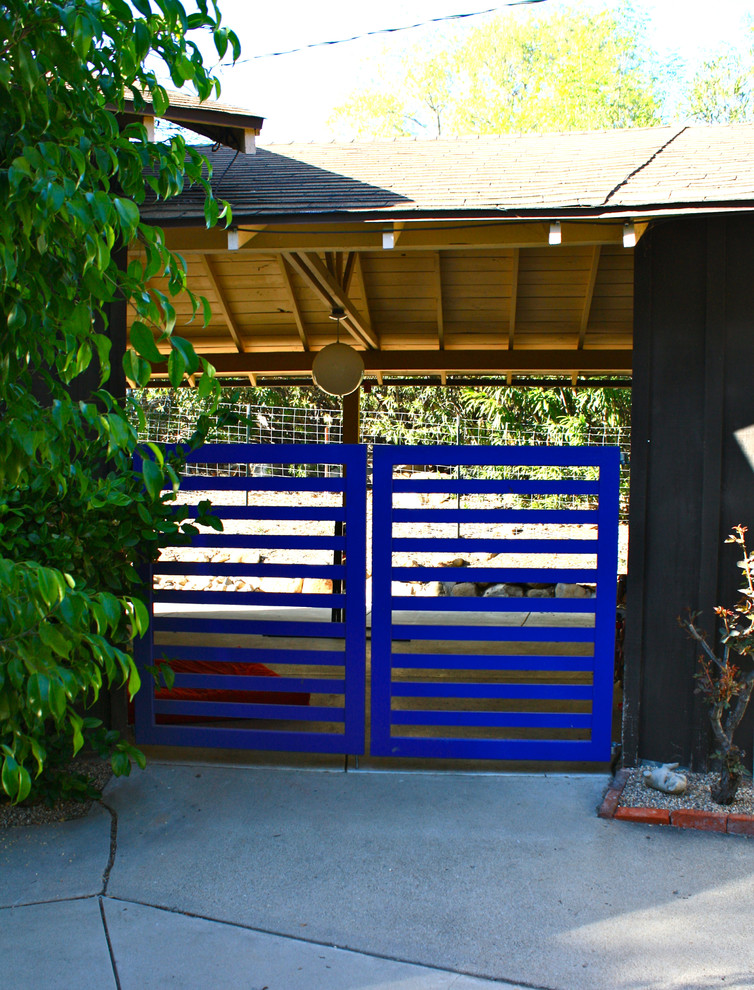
x: 727, y: 686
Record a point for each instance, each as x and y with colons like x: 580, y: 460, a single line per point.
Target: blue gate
x: 518, y: 674
x: 258, y: 661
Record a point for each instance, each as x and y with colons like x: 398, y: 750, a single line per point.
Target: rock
x: 464, y: 589
x: 665, y: 779
x: 540, y: 584
x: 435, y: 588
x: 548, y: 592
x: 457, y: 562
x: 573, y: 591
x: 504, y: 591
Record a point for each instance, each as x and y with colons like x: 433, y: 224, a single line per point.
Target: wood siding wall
x: 691, y: 479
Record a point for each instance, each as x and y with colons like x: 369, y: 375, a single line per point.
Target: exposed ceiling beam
x: 421, y: 235
x: 481, y: 362
x: 438, y: 295
x: 310, y: 267
x: 295, y: 308
x: 222, y: 306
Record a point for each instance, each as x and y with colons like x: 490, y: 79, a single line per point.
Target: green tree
x: 721, y: 91
x: 570, y: 70
x: 76, y: 519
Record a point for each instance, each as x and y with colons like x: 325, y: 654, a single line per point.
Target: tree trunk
x: 724, y: 791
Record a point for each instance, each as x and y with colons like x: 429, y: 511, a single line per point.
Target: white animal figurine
x: 665, y: 779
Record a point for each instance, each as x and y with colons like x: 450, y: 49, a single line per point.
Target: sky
x: 296, y: 93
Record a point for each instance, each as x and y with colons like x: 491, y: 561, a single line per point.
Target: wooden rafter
x: 295, y: 308
x: 589, y: 294
x: 438, y: 295
x: 315, y: 273
x: 356, y: 268
x: 222, y: 306
x: 348, y: 270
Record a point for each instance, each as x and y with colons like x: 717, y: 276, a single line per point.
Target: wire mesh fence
x: 258, y: 424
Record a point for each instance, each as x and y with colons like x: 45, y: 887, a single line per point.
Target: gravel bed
x: 98, y: 771
x: 697, y: 795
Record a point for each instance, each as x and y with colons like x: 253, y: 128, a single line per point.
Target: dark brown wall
x: 690, y: 480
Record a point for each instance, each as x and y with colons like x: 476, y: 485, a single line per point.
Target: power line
x: 393, y: 30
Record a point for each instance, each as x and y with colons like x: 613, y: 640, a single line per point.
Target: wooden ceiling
x: 473, y: 298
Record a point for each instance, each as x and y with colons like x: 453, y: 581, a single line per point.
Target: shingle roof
x: 585, y: 172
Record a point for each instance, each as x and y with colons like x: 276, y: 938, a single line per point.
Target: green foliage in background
x: 75, y: 518
x: 573, y: 69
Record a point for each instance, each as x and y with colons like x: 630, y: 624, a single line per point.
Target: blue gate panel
x: 511, y: 678
x: 246, y: 674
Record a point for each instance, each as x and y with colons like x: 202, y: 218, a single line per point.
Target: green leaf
x: 128, y: 213
x: 176, y: 368
x: 136, y: 368
x: 143, y: 341
x: 153, y: 478
x: 188, y: 353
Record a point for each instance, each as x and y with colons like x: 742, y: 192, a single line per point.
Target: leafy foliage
x: 720, y: 91
x: 727, y: 686
x: 572, y: 69
x: 76, y: 520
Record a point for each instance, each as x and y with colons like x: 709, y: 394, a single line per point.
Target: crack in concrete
x: 116, y: 976
x: 113, y: 848
x: 501, y: 981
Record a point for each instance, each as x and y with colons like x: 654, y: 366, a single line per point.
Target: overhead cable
x: 392, y: 30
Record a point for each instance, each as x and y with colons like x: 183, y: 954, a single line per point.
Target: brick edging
x: 708, y: 821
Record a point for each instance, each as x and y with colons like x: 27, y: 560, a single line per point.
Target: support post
x: 350, y: 434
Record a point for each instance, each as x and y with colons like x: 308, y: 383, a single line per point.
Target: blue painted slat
x: 235, y: 541
x: 237, y: 709
x: 248, y: 627
x: 286, y: 512
x: 529, y: 720
x: 268, y: 453
x: 541, y: 750
x: 450, y: 544
x: 513, y: 546
x: 516, y: 575
x: 208, y: 483
x: 262, y: 739
x: 452, y: 456
x: 469, y: 486
x: 212, y: 569
x: 416, y: 603
x: 494, y: 634
x: 238, y: 654
x: 244, y: 682
x: 555, y: 692
x: 466, y: 661
x: 495, y: 516
x: 235, y: 598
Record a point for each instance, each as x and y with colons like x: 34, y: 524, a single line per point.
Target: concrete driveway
x: 291, y: 879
